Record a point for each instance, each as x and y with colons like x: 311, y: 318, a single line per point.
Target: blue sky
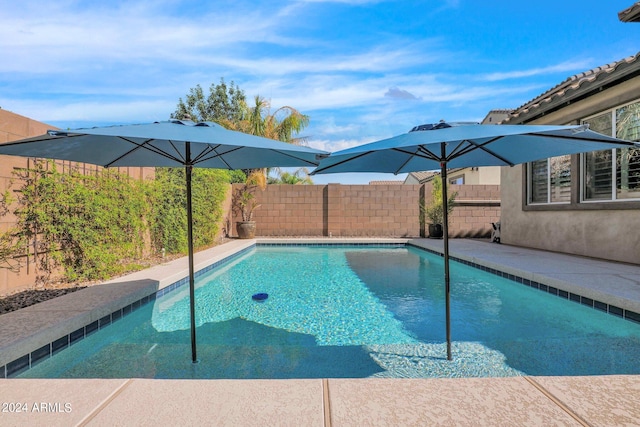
x: 363, y: 70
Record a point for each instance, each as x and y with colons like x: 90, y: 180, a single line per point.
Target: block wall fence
x: 381, y: 210
x: 12, y: 128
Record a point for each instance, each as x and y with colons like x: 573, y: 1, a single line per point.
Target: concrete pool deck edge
x: 613, y: 283
x: 522, y: 401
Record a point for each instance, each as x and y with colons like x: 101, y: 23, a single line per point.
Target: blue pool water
x: 353, y: 312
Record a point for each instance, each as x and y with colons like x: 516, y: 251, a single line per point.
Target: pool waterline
x: 126, y: 310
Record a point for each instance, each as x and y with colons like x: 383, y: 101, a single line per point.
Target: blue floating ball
x: 260, y: 297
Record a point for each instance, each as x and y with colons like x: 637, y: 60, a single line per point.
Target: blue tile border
x: 333, y: 244
x: 18, y: 366
x: 185, y: 280
x: 59, y: 344
x: 635, y: 317
x: 91, y: 328
x: 40, y: 354
x: 27, y: 361
x: 629, y: 315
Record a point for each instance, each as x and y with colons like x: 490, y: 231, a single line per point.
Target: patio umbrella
x: 174, y: 143
x: 455, y: 145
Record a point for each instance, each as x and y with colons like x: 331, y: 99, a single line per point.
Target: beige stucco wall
x: 487, y: 175
x: 607, y: 234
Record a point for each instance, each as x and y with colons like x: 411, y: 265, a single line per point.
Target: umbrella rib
x: 421, y: 152
x: 182, y: 159
x: 470, y: 146
x: 202, y: 158
x: 341, y: 162
x: 402, y: 165
x: 309, y: 162
x: 145, y: 146
x: 458, y: 151
x: 428, y: 153
x: 418, y: 153
x: 475, y: 146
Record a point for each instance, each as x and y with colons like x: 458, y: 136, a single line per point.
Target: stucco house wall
x: 599, y: 233
x: 608, y: 230
x: 487, y: 175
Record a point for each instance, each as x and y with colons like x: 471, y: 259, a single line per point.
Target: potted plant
x: 244, y: 203
x: 434, y: 210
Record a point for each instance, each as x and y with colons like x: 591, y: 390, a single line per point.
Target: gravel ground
x: 18, y: 300
x: 31, y: 297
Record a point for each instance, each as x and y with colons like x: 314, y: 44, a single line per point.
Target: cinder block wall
x: 13, y: 127
x: 473, y: 220
x: 373, y: 210
x: 291, y: 210
x: 368, y: 210
x: 476, y: 207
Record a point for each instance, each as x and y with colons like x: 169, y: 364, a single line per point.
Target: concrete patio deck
x: 523, y: 401
x: 517, y: 401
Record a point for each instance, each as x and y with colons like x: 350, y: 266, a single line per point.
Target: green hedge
x: 98, y: 225
x: 169, y: 225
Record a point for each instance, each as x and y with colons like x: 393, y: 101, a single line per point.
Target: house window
x: 613, y: 174
x: 458, y: 180
x: 550, y: 180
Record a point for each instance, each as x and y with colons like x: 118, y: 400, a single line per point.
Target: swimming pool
x: 352, y: 312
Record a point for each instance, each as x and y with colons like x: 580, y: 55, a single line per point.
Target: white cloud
x: 318, y: 92
x: 121, y: 111
x: 569, y: 66
x: 338, y: 144
x: 329, y: 127
x: 53, y: 40
x: 397, y: 93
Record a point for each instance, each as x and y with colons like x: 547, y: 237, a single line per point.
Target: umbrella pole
x: 192, y: 299
x: 445, y: 232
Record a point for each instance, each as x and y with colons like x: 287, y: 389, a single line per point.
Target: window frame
x: 529, y: 188
x: 459, y: 178
x: 614, y: 155
x: 577, y: 202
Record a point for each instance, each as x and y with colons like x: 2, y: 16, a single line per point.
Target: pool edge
x: 27, y: 352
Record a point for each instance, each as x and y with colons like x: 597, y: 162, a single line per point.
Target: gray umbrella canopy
x: 425, y: 147
x: 455, y: 145
x: 164, y: 144
x: 173, y: 143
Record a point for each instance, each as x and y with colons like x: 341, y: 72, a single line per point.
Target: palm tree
x: 283, y: 124
x: 300, y: 176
